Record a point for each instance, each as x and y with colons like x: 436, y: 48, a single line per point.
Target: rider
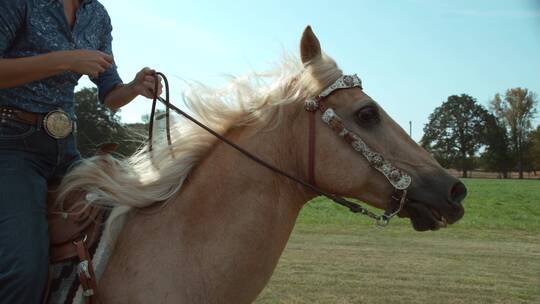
x: 45, y: 47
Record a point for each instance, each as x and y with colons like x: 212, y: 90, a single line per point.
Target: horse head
x: 361, y: 152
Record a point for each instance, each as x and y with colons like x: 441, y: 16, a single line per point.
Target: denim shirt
x: 33, y: 27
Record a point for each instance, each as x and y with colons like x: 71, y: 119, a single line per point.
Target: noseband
x: 398, y: 178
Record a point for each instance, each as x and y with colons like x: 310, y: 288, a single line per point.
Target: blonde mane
x: 153, y: 176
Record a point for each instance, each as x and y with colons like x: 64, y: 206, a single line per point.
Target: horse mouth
x: 425, y: 217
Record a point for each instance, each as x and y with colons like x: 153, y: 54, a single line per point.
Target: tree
x: 497, y: 156
x: 455, y: 131
x: 516, y: 110
x: 97, y: 124
x: 534, y: 151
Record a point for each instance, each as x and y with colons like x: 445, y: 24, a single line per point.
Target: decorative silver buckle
x: 58, y: 124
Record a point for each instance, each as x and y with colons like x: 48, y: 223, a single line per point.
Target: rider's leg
x: 24, y: 240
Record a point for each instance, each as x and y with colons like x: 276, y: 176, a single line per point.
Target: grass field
x: 491, y: 256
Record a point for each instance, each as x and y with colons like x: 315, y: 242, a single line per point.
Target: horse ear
x: 310, y: 48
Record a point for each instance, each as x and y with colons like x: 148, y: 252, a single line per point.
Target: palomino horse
x: 226, y: 219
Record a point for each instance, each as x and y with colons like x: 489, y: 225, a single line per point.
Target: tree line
x: 464, y: 135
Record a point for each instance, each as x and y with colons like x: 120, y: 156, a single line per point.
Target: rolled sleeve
x: 12, y: 14
x: 109, y: 79
x: 106, y: 82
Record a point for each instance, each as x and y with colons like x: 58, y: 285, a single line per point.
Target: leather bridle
x: 398, y: 178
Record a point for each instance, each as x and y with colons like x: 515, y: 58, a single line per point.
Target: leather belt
x: 20, y: 116
x: 56, y: 123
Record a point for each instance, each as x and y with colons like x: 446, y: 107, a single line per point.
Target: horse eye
x: 368, y: 115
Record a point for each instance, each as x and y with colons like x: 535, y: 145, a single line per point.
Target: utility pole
x: 410, y: 128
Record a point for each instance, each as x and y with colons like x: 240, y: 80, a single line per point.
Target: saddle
x: 74, y: 227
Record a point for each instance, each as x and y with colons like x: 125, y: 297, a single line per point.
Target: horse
x: 205, y: 224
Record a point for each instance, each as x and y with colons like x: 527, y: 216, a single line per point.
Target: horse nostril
x: 458, y: 192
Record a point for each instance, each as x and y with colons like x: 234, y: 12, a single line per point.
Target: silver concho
x: 348, y: 80
x: 58, y: 124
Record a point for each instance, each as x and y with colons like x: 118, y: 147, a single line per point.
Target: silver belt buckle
x: 58, y: 124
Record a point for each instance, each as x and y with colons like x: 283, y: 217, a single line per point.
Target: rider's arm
x: 14, y: 72
x: 121, y: 95
x: 143, y: 84
x: 112, y: 91
x: 17, y: 71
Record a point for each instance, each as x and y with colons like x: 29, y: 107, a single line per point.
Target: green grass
x: 491, y: 256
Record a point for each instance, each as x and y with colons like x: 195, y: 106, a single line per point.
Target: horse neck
x: 226, y: 229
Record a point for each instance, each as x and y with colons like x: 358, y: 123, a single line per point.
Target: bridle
x: 397, y: 178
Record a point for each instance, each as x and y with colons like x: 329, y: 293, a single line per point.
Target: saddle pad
x: 64, y: 277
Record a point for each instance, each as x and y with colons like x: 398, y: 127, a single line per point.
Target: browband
x: 343, y: 82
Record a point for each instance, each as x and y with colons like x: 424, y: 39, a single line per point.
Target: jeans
x: 29, y: 159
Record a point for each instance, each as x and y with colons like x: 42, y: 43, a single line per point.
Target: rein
x: 398, y: 198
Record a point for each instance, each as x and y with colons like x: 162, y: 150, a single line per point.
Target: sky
x: 410, y: 54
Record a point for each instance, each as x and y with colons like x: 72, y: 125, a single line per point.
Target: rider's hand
x: 88, y: 62
x: 144, y: 83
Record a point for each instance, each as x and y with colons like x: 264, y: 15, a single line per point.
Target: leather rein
x: 399, y: 179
